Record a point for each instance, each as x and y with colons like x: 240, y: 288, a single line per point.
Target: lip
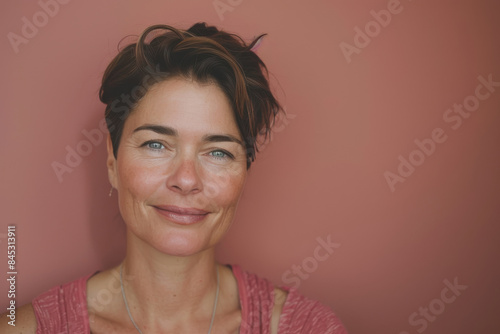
x: 179, y: 215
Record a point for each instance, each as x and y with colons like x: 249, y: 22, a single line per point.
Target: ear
x: 111, y: 163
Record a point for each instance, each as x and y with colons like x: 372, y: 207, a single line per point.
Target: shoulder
x: 308, y: 316
x: 261, y: 302
x: 56, y: 310
x: 291, y: 311
x: 25, y: 321
x: 63, y: 308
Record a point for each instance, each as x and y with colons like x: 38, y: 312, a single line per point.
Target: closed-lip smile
x: 180, y: 215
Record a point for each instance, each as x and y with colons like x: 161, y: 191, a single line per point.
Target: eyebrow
x: 168, y: 131
x: 162, y: 130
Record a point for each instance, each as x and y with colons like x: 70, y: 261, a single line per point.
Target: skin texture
x: 25, y: 321
x: 180, y: 146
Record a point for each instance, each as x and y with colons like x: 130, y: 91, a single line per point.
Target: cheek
x: 224, y: 188
x: 137, y: 179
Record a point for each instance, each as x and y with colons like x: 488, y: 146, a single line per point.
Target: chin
x: 180, y: 244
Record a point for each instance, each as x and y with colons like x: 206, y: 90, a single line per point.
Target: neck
x: 163, y: 290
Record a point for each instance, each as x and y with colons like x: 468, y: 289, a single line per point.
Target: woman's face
x: 181, y: 167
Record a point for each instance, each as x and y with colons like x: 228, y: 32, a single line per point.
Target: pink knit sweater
x: 63, y: 309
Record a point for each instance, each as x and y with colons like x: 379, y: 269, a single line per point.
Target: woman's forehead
x: 187, y: 106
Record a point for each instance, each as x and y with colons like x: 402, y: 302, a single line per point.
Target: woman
x: 184, y: 112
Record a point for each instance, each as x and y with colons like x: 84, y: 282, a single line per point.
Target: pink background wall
x: 322, y: 176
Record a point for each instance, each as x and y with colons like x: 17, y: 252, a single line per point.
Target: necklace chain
x: 132, y: 319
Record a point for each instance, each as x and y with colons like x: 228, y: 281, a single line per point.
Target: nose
x: 184, y: 177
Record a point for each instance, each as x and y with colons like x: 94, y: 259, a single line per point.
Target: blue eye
x: 219, y: 154
x: 154, y: 145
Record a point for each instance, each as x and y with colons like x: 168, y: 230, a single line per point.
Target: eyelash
x: 227, y: 155
x: 149, y: 142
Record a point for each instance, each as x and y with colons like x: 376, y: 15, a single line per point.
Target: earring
x: 110, y: 191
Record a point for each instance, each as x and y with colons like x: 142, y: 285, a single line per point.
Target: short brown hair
x: 203, y: 53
